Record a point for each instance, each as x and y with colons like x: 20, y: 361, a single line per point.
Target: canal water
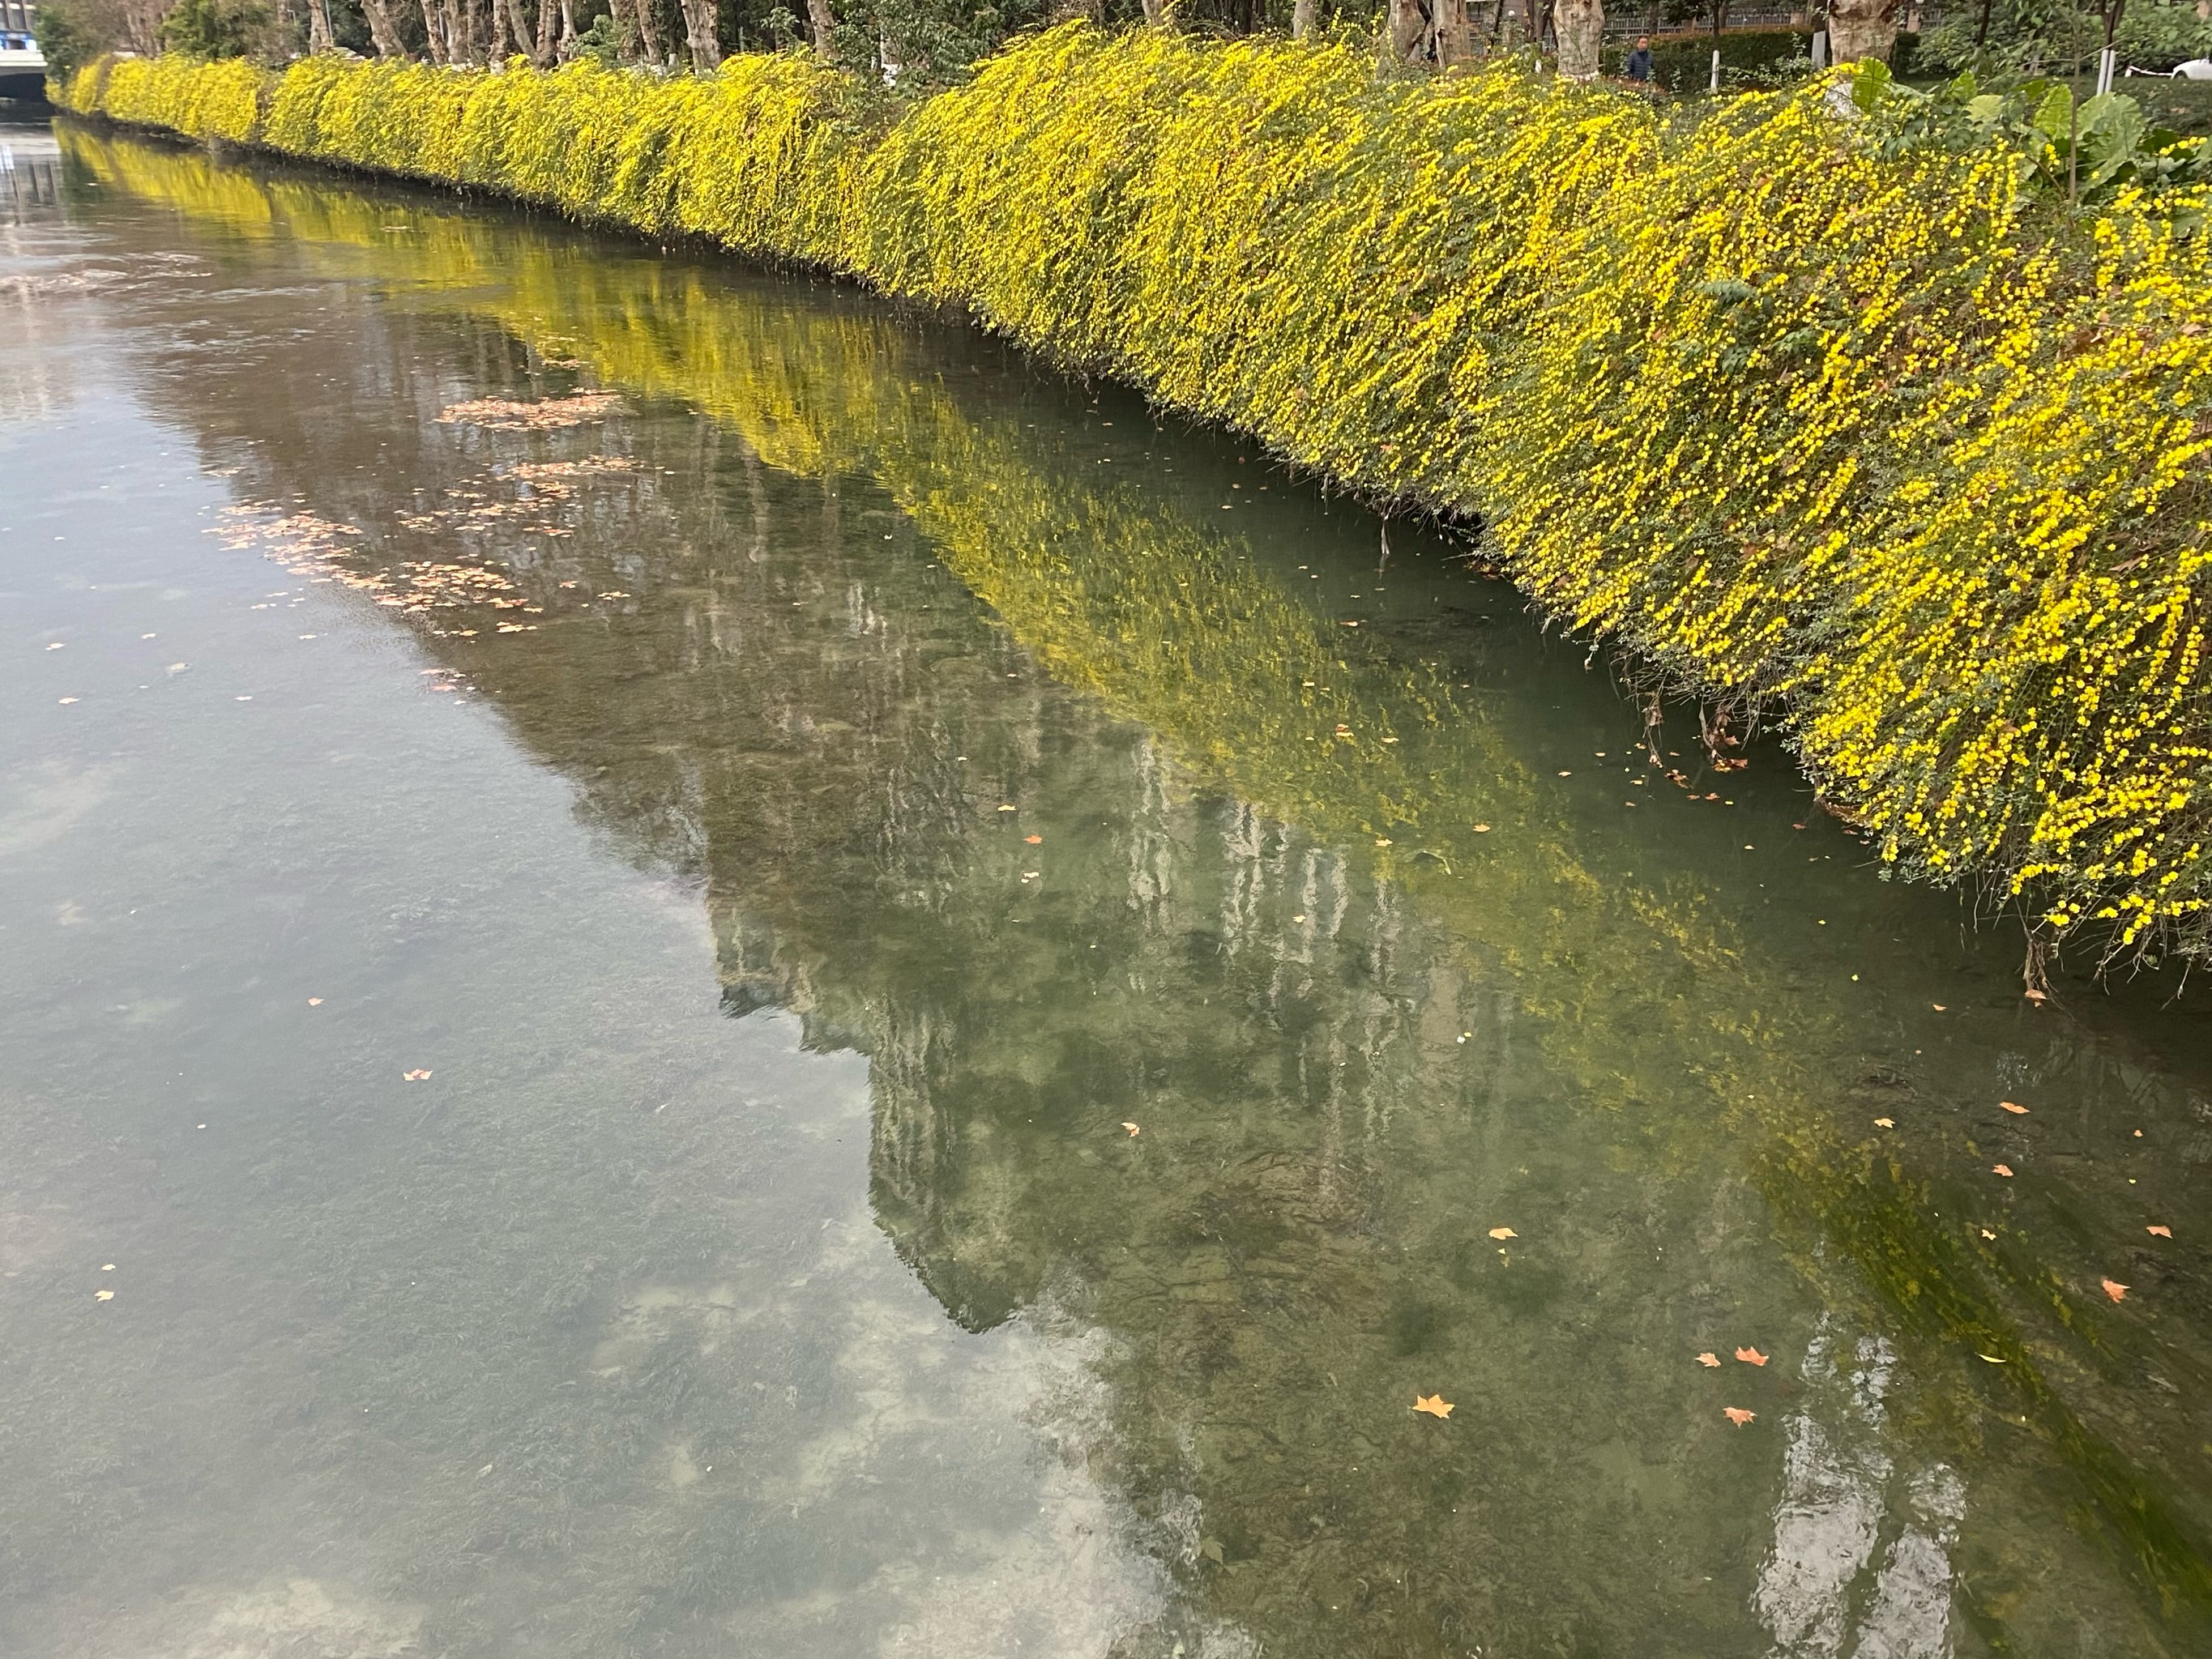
x: 691, y: 966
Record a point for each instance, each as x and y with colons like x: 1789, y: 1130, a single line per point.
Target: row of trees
x: 918, y: 40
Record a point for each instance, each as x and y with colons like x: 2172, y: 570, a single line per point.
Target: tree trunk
x: 699, y: 28
x: 1305, y: 16
x: 434, y: 34
x: 1453, y: 33
x: 517, y: 27
x: 1859, y: 29
x: 382, y: 29
x: 501, y: 42
x: 318, y: 27
x: 822, y: 25
x: 567, y: 49
x: 1405, y: 32
x: 648, y: 31
x: 1581, y: 25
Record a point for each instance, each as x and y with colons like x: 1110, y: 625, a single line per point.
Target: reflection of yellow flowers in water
x: 1789, y: 417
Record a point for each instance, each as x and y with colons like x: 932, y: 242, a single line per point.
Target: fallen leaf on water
x: 1885, y: 1123
x: 1709, y: 1359
x: 2115, y: 1290
x: 2017, y: 1111
x: 1435, y: 1404
x: 2157, y: 1231
x: 1737, y: 1415
x: 1132, y: 1128
x: 1937, y: 1006
x: 103, y: 1296
x: 1481, y: 828
x: 2039, y: 996
x: 1986, y: 1233
x: 1992, y: 1358
x: 1566, y: 775
x: 415, y: 1077
x: 1006, y: 809
x: 1751, y: 1356
x: 1034, y: 841
x: 1382, y: 841
x: 107, y: 1267
x: 2004, y: 1169
x: 1504, y: 1232
x: 314, y: 1002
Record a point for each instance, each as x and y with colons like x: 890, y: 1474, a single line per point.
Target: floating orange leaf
x: 2115, y: 1290
x: 1033, y: 840
x: 1434, y: 1404
x: 2004, y: 1169
x: 1504, y: 1232
x: 2157, y: 1231
x: 103, y: 1296
x: 314, y: 1002
x: 2017, y: 1111
x: 415, y: 1077
x: 1737, y: 1415
x: 1885, y: 1123
x: 1708, y: 1359
x: 1751, y: 1356
x: 1132, y: 1128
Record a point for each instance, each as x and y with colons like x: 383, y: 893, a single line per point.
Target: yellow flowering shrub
x: 1866, y: 437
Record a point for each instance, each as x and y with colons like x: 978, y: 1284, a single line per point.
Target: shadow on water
x: 1083, y: 771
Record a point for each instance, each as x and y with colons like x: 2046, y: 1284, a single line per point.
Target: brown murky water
x: 690, y: 966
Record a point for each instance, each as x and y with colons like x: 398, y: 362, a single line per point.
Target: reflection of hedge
x: 1789, y: 417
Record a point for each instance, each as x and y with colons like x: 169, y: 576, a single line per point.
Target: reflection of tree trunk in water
x: 1305, y: 14
x: 382, y: 29
x: 822, y: 26
x: 1580, y: 24
x: 699, y: 29
x: 1860, y: 29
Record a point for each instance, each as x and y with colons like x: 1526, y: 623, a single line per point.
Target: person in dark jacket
x: 1639, y: 61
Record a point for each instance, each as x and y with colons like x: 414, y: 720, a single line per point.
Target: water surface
x: 716, y: 970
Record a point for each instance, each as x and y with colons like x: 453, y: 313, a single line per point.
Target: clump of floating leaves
x: 1799, y: 412
x: 546, y: 414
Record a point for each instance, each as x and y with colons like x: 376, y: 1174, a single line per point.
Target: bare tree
x: 1580, y: 25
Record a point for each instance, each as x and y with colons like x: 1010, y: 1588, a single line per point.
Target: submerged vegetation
x: 1810, y: 403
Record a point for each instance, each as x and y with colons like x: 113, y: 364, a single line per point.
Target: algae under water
x: 601, y: 851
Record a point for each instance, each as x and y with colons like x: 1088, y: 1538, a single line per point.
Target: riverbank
x: 1801, y: 424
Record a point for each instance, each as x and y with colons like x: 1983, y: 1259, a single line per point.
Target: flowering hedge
x: 1796, y: 416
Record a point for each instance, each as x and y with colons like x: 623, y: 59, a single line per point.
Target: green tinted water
x: 803, y: 782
